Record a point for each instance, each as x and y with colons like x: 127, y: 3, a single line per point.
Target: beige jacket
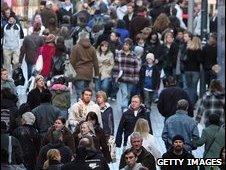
x: 78, y: 112
x: 106, y: 64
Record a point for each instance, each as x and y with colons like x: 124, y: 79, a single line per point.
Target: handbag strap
x: 214, y: 138
x: 10, y: 150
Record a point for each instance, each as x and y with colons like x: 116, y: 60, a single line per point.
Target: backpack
x: 59, y: 64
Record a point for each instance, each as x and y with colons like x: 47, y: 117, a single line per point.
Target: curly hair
x: 161, y: 23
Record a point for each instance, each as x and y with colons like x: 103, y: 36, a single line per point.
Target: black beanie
x: 177, y: 137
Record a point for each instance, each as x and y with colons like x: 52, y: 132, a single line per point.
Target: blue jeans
x: 29, y: 70
x: 125, y: 90
x: 102, y: 85
x: 191, y: 79
x: 80, y: 85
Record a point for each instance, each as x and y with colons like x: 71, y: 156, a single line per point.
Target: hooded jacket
x: 84, y: 60
x: 127, y: 124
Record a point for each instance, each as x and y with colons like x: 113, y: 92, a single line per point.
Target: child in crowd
x: 149, y: 79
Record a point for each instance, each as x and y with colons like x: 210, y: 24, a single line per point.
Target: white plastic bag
x: 69, y: 70
x: 39, y: 64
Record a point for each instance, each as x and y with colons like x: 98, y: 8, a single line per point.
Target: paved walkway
x: 156, y: 120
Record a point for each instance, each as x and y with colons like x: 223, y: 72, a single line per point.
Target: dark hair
x: 46, y: 96
x: 62, y: 119
x: 43, y: 3
x: 189, y: 34
x: 129, y: 42
x: 121, y: 24
x: 104, y: 43
x: 36, y: 27
x: 87, y: 89
x: 117, y: 34
x: 215, y: 85
x: 214, y: 119
x: 92, y: 116
x: 180, y: 1
x: 24, y: 107
x: 6, y: 93
x: 130, y: 150
x: 170, y: 81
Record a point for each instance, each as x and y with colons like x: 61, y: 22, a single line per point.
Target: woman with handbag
x: 213, y: 138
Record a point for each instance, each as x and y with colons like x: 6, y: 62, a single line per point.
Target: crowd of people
x: 135, y: 53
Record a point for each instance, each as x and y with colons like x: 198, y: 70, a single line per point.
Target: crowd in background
x: 135, y: 52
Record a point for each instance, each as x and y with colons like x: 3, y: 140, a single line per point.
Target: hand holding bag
x: 39, y: 63
x: 69, y: 70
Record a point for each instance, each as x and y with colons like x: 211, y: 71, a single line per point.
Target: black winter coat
x: 193, y: 61
x: 127, y: 124
x: 33, y: 98
x: 68, y: 138
x: 185, y: 155
x: 209, y: 54
x: 167, y: 104
x: 102, y: 143
x: 97, y: 155
x: 10, y: 104
x: 30, y: 143
x: 65, y: 152
x: 145, y: 158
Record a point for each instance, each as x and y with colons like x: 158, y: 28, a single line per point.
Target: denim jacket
x: 180, y: 124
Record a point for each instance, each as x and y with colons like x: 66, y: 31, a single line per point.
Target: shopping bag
x: 39, y: 63
x: 69, y: 70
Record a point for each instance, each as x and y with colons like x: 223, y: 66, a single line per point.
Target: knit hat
x: 177, y: 137
x: 151, y: 56
x: 50, y: 38
x: 29, y: 118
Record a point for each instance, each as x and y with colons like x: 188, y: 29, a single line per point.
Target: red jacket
x: 47, y: 51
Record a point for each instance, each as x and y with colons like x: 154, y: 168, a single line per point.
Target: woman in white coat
x: 149, y: 142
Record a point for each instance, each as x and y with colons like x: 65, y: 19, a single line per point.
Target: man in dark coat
x: 129, y: 16
x: 29, y: 140
x: 45, y: 114
x: 139, y: 22
x: 17, y: 153
x: 129, y: 119
x: 143, y: 156
x: 56, y: 143
x: 30, y: 47
x: 178, y: 152
x: 167, y: 104
x: 79, y: 161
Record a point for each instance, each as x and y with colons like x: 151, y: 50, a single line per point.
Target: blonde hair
x: 52, y: 154
x: 90, y: 126
x: 195, y: 44
x: 142, y: 127
x: 102, y: 94
x: 168, y: 33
